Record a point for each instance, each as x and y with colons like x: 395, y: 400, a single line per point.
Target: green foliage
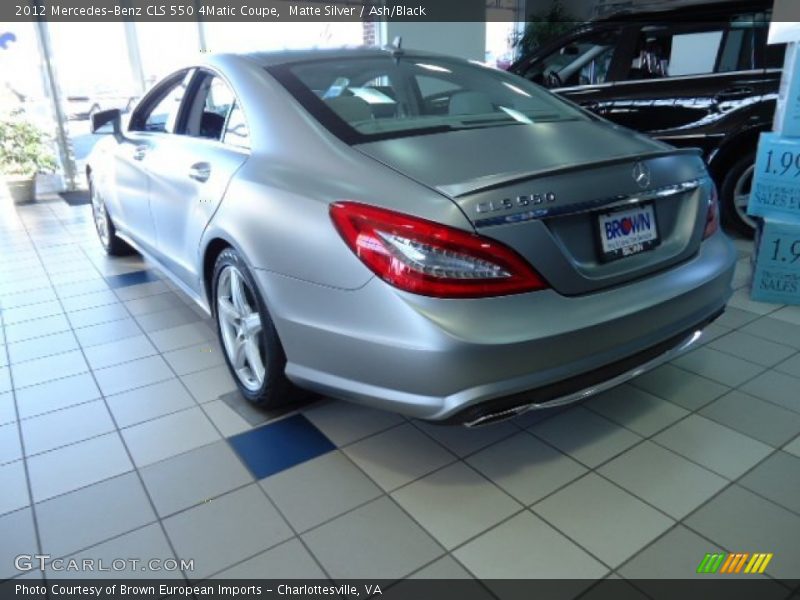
x: 545, y: 26
x: 23, y: 148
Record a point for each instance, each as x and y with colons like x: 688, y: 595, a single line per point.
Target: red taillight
x: 712, y: 216
x: 430, y: 259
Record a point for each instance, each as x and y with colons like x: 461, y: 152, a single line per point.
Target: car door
x: 151, y: 125
x: 191, y: 171
x: 581, y: 67
x: 683, y: 78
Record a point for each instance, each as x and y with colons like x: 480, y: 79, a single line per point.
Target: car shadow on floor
x: 257, y: 416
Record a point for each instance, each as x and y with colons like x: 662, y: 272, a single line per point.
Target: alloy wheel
x: 741, y: 195
x: 100, y: 217
x: 241, y: 329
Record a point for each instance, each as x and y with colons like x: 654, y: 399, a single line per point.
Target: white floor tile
x: 41, y: 370
x: 131, y: 375
x: 118, y: 352
x: 398, y: 456
x: 78, y: 465
x: 170, y: 435
x: 14, y: 485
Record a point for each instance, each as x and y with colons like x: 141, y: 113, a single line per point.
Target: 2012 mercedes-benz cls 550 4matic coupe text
x: 412, y: 231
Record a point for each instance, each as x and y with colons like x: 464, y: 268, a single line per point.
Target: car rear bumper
x: 461, y: 359
x: 581, y: 386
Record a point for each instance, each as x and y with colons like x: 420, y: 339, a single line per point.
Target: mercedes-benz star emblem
x: 641, y: 174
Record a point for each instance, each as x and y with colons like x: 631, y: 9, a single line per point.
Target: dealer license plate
x: 627, y: 232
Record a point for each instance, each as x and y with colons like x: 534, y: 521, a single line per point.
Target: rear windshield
x: 366, y: 99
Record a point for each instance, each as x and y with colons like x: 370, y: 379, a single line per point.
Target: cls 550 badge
x: 518, y: 202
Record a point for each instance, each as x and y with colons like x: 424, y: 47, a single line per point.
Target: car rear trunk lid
x: 554, y: 190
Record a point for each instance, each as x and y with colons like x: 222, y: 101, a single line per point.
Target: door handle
x: 200, y: 171
x: 735, y: 93
x: 140, y: 152
x: 584, y: 92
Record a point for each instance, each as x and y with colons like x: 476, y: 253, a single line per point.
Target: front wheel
x: 106, y: 231
x: 735, y: 194
x: 252, y: 349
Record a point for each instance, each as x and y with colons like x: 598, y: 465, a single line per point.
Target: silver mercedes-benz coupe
x: 412, y: 231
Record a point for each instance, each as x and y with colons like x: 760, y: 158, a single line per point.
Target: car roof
x: 268, y: 59
x: 687, y: 10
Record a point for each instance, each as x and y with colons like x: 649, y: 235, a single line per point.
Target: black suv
x: 690, y: 74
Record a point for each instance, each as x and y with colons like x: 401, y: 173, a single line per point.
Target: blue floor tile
x: 281, y: 445
x: 134, y: 278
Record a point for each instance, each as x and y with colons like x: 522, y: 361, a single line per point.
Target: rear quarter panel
x: 275, y: 210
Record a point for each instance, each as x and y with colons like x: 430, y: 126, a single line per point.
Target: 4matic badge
x: 518, y: 202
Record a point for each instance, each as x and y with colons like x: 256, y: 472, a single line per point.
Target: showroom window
x: 251, y: 37
x: 111, y: 66
x: 165, y: 47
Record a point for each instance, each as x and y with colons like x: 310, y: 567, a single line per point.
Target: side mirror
x: 104, y: 117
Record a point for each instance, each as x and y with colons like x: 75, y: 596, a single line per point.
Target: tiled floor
x: 121, y: 434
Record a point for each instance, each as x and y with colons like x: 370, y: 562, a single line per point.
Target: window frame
x: 158, y: 93
x: 199, y: 74
x: 236, y: 104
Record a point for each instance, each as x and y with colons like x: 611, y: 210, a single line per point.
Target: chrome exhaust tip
x: 496, y: 417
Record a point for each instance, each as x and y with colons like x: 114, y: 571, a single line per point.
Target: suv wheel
x: 735, y: 194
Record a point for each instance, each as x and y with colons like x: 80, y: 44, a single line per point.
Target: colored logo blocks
x: 733, y: 563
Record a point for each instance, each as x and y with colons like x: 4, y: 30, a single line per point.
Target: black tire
x: 731, y: 218
x: 112, y: 244
x: 276, y: 390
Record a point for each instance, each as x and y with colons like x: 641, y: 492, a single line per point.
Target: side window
x: 769, y: 56
x: 353, y: 100
x: 212, y: 102
x: 436, y: 94
x: 466, y: 98
x: 663, y: 52
x: 743, y: 49
x: 583, y: 61
x: 160, y: 114
x: 774, y: 56
x: 737, y: 51
x: 433, y: 86
x: 220, y: 98
x: 236, y: 131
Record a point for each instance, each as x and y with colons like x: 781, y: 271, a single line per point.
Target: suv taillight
x: 424, y: 257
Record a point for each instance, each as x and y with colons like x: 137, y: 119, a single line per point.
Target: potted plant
x: 23, y: 153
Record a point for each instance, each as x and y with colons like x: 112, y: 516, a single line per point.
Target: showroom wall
x: 466, y: 40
